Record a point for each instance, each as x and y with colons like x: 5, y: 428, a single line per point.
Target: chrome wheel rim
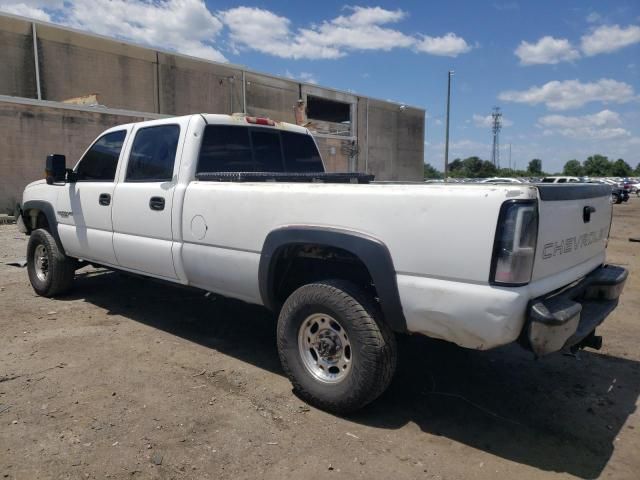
x: 41, y: 262
x: 325, y: 348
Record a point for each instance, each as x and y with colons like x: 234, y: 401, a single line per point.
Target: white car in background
x: 501, y: 180
x: 559, y: 179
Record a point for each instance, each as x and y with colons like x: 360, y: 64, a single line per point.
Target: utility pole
x: 509, y: 156
x: 496, y: 126
x: 446, y: 142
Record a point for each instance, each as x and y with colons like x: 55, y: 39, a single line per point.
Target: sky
x: 566, y: 74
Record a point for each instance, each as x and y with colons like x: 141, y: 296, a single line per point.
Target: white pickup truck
x: 241, y: 206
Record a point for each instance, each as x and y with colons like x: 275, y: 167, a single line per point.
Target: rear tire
x: 334, y: 346
x: 50, y: 271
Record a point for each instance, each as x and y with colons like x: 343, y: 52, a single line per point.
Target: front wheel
x: 50, y: 271
x: 334, y: 346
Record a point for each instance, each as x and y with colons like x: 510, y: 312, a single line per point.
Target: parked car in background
x: 559, y: 179
x: 618, y: 193
x: 501, y: 180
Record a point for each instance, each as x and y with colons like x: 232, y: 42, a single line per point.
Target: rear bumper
x: 566, y: 317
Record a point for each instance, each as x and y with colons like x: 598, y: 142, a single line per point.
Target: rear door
x: 84, y: 206
x: 574, y: 223
x: 143, y: 200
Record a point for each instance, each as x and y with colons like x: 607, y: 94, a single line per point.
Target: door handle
x: 156, y: 203
x: 104, y: 199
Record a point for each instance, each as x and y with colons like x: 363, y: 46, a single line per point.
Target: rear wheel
x: 50, y: 271
x: 334, y: 346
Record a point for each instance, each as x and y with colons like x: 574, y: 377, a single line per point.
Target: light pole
x: 446, y: 142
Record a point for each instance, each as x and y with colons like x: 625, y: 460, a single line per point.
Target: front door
x: 84, y: 206
x: 143, y: 200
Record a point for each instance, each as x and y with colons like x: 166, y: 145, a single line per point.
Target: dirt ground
x: 126, y: 378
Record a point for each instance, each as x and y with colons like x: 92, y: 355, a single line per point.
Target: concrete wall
x: 72, y: 65
x: 17, y: 65
x: 388, y: 140
x: 190, y: 86
x: 395, y: 141
x: 30, y: 133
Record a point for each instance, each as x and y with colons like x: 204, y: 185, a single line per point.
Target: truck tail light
x: 261, y: 121
x: 514, y: 247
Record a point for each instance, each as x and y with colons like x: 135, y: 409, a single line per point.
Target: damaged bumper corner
x: 566, y: 318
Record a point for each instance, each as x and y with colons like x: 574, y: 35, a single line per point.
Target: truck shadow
x: 558, y: 414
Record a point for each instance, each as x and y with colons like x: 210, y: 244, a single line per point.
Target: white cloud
x: 364, y: 28
x: 449, y: 45
x: 25, y: 10
x: 486, y: 121
x: 609, y: 38
x: 602, y: 125
x: 547, y: 50
x: 302, y: 76
x: 562, y: 95
x: 186, y: 26
x: 264, y: 31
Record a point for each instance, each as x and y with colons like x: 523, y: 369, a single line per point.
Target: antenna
x: 496, y: 126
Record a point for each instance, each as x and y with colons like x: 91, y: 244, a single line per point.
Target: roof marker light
x: 261, y: 121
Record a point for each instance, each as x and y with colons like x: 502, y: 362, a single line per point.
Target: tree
x: 620, y: 168
x: 456, y: 168
x: 596, y: 166
x: 471, y: 167
x: 636, y: 172
x: 431, y: 172
x: 573, y: 168
x: 535, y: 167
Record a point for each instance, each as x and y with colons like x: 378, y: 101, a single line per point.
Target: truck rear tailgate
x: 574, y: 222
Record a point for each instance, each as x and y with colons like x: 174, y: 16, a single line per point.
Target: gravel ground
x: 126, y: 378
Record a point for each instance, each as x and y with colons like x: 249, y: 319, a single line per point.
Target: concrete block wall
x: 17, y: 65
x: 31, y: 132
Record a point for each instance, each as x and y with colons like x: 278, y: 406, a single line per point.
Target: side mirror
x: 55, y: 169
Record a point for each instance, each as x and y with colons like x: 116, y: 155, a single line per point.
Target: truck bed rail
x: 310, y: 177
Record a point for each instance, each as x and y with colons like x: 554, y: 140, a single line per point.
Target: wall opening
x: 327, y: 110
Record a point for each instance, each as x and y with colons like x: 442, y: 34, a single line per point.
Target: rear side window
x: 153, y: 154
x: 228, y: 148
x: 100, y: 162
x: 225, y: 149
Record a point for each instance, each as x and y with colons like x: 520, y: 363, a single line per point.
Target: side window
x: 153, y: 154
x: 562, y: 180
x: 100, y: 162
x: 225, y: 149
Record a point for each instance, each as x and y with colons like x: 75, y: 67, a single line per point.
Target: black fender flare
x: 372, y: 252
x: 47, y: 209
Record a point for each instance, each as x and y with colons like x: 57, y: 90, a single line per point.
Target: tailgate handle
x: 586, y: 213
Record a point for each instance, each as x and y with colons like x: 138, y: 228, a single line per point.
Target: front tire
x: 334, y: 346
x: 50, y: 271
